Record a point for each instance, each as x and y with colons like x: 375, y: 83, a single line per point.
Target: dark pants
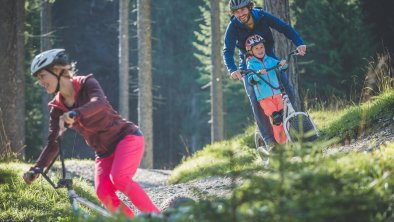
x: 262, y: 120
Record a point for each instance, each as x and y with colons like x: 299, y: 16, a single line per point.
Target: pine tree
x: 339, y: 44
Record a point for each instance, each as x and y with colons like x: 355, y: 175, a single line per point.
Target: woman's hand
x: 283, y: 62
x: 30, y: 176
x: 68, y: 117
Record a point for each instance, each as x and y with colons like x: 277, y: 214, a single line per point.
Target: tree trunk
x: 281, y: 9
x: 145, y: 109
x: 45, y: 42
x: 124, y: 58
x: 12, y: 79
x: 216, y: 77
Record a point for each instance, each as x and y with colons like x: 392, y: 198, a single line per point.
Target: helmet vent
x: 42, y: 62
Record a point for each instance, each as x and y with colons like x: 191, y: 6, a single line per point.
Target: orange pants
x: 273, y: 104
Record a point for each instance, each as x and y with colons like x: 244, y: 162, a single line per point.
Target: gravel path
x: 155, y: 181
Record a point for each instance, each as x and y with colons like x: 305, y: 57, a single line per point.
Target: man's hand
x: 236, y: 75
x: 30, y: 176
x: 301, y: 50
x: 283, y: 62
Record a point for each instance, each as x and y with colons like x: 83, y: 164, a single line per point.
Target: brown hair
x: 69, y: 70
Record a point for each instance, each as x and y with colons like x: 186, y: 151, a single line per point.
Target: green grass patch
x: 239, y: 153
x: 216, y: 159
x: 38, y: 201
x: 356, y: 120
x: 303, y: 184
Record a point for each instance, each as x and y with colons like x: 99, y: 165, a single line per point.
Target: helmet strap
x: 58, y: 78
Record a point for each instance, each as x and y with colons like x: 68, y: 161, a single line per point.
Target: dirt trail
x: 155, y: 181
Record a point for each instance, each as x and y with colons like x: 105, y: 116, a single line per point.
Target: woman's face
x: 258, y: 50
x: 47, y: 81
x: 242, y: 14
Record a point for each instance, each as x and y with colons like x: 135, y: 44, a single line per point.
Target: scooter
x: 297, y: 125
x: 64, y: 182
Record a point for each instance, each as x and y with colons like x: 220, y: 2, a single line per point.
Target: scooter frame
x: 288, y: 109
x: 64, y: 182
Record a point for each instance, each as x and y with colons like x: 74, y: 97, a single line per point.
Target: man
x: 246, y: 21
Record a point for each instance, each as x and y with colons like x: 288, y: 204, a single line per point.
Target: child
x: 270, y: 99
x: 118, y: 143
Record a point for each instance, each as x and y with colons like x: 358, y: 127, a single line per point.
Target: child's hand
x: 263, y: 71
x: 283, y: 62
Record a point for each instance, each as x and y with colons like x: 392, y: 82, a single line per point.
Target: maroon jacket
x: 96, y: 120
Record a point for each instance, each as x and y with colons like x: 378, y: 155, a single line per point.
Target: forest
x: 160, y: 64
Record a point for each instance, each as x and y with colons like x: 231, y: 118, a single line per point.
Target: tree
x: 145, y: 109
x: 12, y: 102
x: 238, y: 113
x: 45, y: 44
x: 124, y: 58
x: 283, y: 45
x: 216, y: 75
x: 341, y: 41
x: 378, y: 14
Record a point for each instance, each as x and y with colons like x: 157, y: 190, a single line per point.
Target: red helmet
x: 252, y: 41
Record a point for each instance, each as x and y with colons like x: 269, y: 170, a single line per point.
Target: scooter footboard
x: 299, y: 126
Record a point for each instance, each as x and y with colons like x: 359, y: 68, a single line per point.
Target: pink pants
x: 115, y: 173
x: 270, y: 105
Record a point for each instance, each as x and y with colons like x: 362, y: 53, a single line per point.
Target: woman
x: 118, y: 143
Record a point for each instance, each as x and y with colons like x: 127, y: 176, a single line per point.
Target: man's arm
x: 284, y: 28
x: 229, y: 48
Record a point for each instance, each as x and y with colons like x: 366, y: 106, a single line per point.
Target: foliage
x: 338, y: 124
x: 341, y: 42
x: 21, y: 202
x: 361, y: 118
x: 238, y: 114
x: 33, y: 92
x: 179, y: 103
x: 217, y: 159
x: 379, y: 15
x: 302, y: 184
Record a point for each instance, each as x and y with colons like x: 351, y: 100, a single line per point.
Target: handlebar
x: 72, y: 114
x: 37, y: 170
x: 294, y: 52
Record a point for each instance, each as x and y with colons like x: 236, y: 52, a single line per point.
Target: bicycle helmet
x: 47, y: 59
x: 252, y: 41
x: 237, y: 4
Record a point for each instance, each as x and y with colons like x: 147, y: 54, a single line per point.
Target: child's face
x: 258, y: 50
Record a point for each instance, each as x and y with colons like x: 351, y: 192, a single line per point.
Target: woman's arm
x: 51, y: 150
x: 98, y: 100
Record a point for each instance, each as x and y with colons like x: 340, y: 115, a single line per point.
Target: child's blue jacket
x: 262, y: 89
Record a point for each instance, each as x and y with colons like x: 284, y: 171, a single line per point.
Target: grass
x: 356, y: 120
x: 238, y: 154
x: 313, y: 185
x: 217, y: 159
x: 38, y: 201
x: 21, y: 202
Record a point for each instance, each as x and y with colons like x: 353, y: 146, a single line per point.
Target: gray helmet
x: 237, y: 4
x: 49, y: 58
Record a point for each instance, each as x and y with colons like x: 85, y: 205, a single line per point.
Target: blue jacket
x: 262, y: 89
x: 236, y: 34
